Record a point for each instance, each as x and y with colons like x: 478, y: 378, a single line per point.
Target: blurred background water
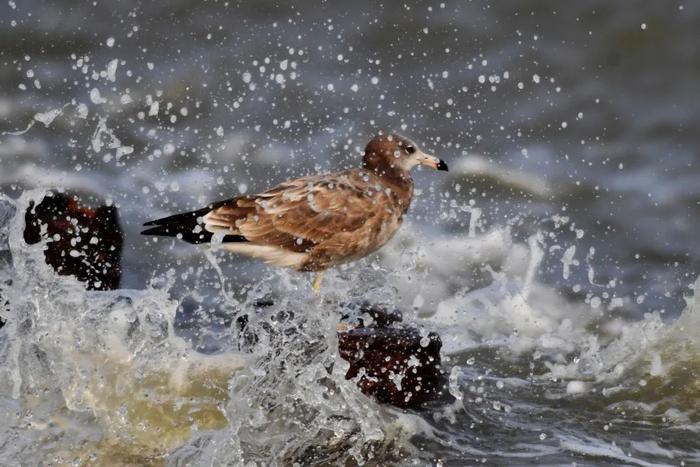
x: 570, y: 128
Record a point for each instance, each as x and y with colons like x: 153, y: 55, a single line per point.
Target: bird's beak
x: 432, y: 161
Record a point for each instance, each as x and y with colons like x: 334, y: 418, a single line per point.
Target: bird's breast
x: 400, y: 197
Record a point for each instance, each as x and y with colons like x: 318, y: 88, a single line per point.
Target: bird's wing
x: 301, y: 213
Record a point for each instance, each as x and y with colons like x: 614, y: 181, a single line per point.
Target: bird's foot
x: 316, y: 285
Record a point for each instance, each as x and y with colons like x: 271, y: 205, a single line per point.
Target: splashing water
x: 105, y: 377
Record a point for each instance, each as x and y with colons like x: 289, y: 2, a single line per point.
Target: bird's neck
x: 399, y: 182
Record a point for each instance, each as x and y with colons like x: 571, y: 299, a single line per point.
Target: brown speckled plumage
x: 312, y: 223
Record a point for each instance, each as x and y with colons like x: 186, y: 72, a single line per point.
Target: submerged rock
x: 80, y: 241
x: 391, y: 362
x: 395, y: 364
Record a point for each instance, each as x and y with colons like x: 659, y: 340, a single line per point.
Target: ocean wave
x: 107, y: 377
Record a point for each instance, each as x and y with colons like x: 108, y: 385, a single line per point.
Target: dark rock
x: 394, y: 364
x: 80, y: 241
x: 380, y: 317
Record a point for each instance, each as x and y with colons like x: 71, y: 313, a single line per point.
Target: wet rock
x: 80, y: 241
x: 393, y: 363
x: 374, y: 314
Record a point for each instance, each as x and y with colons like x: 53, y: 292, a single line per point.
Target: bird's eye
x: 410, y: 149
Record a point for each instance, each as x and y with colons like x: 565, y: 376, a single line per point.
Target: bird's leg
x: 316, y: 285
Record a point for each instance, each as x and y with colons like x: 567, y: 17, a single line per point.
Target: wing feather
x: 300, y: 214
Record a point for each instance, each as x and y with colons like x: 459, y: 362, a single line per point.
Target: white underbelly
x: 270, y: 254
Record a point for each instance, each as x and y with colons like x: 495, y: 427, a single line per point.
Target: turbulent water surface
x: 557, y: 259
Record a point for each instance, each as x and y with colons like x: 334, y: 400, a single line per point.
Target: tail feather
x: 188, y: 226
x: 184, y: 217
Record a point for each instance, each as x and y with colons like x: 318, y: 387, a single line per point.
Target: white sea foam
x: 478, y: 165
x: 111, y: 366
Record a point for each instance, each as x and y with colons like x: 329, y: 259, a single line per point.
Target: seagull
x: 315, y: 222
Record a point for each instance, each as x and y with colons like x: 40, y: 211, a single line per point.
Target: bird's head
x: 387, y: 154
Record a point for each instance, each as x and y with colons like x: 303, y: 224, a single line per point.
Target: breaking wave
x: 112, y: 377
